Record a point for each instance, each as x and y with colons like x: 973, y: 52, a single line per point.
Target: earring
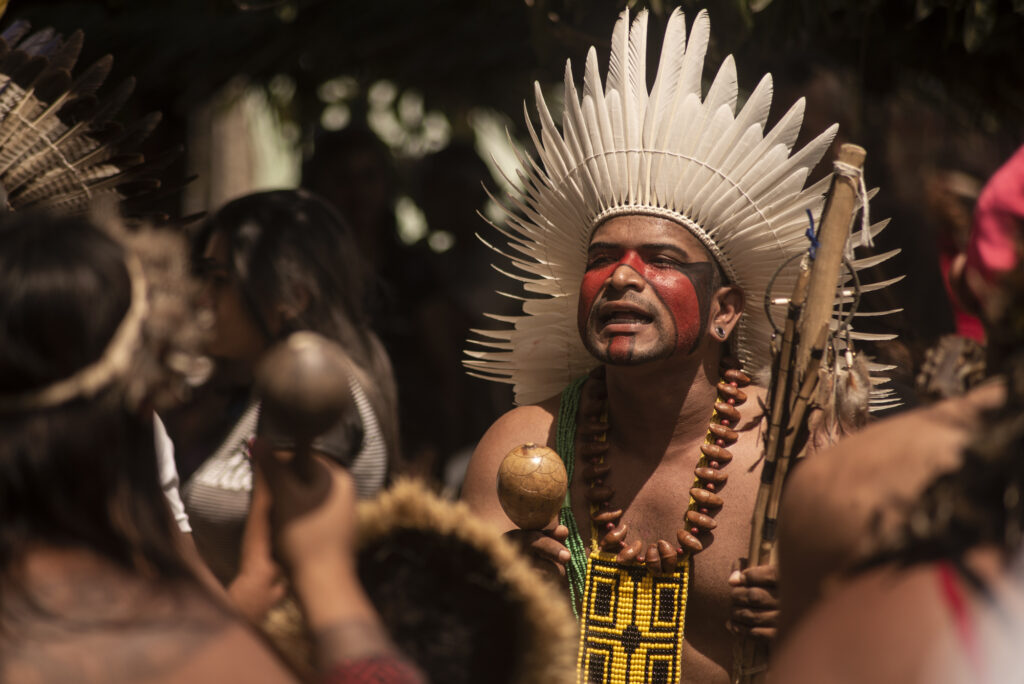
x: 720, y: 331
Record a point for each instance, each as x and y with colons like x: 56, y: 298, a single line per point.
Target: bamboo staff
x: 778, y: 417
x: 795, y: 377
x: 832, y: 239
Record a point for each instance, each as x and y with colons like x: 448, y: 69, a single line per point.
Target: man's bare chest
x: 653, y: 502
x: 654, y: 499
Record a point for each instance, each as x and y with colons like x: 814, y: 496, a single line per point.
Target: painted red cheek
x: 593, y: 281
x: 677, y: 293
x: 672, y: 287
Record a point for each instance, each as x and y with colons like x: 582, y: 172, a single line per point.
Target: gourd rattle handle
x: 307, y: 405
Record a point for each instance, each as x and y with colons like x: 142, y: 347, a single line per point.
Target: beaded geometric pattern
x: 632, y: 623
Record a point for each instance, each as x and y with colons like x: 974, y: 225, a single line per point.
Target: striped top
x: 217, y: 495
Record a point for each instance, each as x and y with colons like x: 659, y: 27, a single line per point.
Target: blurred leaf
x: 978, y: 24
x: 744, y: 13
x: 924, y: 8
x: 758, y: 5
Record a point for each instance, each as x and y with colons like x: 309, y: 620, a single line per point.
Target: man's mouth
x: 624, y: 317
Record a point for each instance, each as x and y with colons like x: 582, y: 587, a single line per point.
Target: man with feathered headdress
x: 646, y: 238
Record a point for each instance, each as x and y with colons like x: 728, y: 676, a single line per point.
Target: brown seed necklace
x: 608, y: 534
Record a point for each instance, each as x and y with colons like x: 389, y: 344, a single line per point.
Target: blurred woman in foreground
x: 93, y: 587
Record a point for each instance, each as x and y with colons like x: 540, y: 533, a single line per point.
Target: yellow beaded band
x: 631, y: 623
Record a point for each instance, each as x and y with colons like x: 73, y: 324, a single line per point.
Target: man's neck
x: 658, y: 408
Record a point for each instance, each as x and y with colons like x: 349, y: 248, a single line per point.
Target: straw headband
x: 661, y: 212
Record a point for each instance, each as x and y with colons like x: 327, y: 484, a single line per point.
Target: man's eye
x: 664, y: 261
x: 598, y: 262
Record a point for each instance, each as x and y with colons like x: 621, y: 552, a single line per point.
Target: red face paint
x: 672, y: 298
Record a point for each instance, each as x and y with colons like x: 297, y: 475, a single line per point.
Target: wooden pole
x: 804, y: 343
x: 778, y: 417
x: 795, y: 431
x: 832, y: 237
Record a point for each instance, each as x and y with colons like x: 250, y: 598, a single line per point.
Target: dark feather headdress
x: 60, y: 147
x: 62, y: 152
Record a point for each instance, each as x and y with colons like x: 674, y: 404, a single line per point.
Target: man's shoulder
x: 542, y: 412
x: 842, y: 637
x: 533, y: 423
x: 840, y: 499
x: 528, y: 423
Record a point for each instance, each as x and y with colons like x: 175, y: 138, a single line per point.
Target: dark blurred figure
x: 354, y: 171
x: 993, y: 248
x: 451, y: 194
x: 93, y: 583
x: 935, y: 160
x: 421, y: 313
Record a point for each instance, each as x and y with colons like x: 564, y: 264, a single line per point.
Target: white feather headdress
x: 667, y: 152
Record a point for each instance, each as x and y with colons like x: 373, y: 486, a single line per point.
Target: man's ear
x: 726, y: 306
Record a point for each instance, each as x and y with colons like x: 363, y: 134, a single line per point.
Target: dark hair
x: 446, y: 606
x: 285, y: 242
x: 82, y: 474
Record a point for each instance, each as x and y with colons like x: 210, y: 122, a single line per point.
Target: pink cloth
x: 967, y: 324
x: 998, y: 220
x: 382, y: 669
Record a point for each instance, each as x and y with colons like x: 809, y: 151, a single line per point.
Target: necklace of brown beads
x: 705, y: 502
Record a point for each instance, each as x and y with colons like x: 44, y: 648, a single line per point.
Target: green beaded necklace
x: 565, y: 445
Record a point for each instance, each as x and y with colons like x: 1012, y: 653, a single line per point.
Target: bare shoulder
x: 234, y: 654
x: 851, y: 636
x: 525, y: 424
x: 839, y: 500
x: 894, y: 457
x: 116, y: 627
x: 924, y: 435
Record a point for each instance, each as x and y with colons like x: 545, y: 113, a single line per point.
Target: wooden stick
x: 779, y: 414
x: 803, y: 345
x: 794, y: 431
x: 832, y: 237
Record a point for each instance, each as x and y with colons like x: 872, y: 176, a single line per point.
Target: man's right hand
x: 546, y: 549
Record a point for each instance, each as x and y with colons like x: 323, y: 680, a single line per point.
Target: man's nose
x: 625, y: 277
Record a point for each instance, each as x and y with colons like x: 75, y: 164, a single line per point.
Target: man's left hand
x: 755, y: 602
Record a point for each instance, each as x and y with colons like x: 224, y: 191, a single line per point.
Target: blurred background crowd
x: 401, y: 114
